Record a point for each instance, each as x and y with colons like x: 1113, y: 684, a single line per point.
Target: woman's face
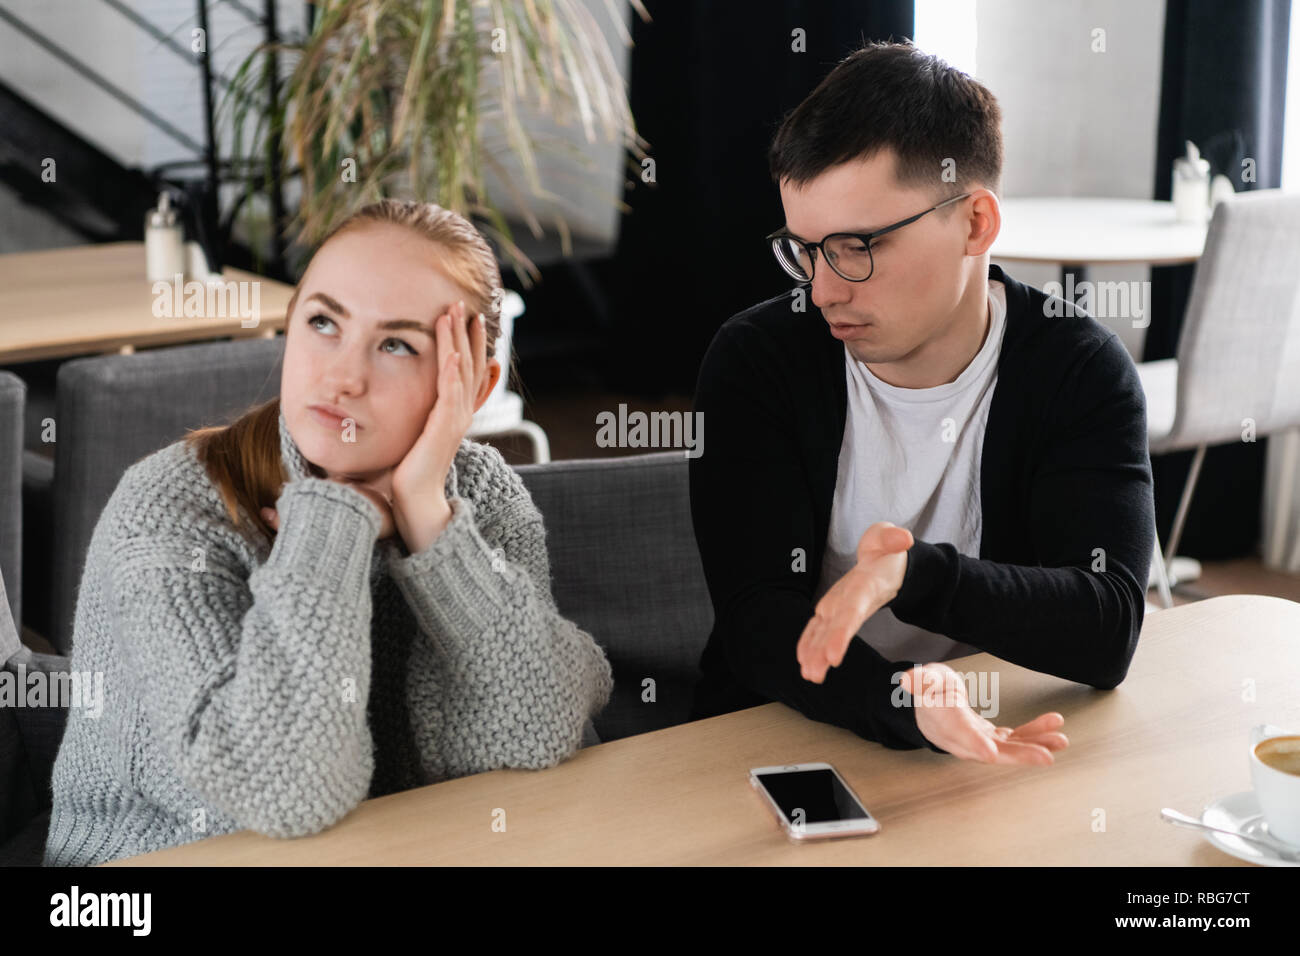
x: 361, y: 340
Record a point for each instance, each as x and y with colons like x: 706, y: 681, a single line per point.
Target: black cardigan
x: 1065, y: 471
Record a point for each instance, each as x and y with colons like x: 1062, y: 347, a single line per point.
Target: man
x: 913, y: 448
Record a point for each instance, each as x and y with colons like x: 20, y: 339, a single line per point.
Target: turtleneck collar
x: 295, y: 465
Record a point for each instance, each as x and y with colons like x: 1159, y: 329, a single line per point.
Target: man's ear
x: 491, y: 375
x: 985, y: 222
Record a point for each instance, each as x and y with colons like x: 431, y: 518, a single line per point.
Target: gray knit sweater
x: 274, y: 686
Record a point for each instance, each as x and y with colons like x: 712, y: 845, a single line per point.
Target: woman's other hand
x: 379, y: 493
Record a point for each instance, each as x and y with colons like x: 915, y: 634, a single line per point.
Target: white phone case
x: 863, y: 826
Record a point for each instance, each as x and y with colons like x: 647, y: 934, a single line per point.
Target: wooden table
x: 1173, y: 734
x: 86, y: 299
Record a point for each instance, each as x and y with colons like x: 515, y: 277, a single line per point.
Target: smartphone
x: 811, y: 801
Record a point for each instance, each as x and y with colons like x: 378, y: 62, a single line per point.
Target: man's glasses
x: 848, y: 253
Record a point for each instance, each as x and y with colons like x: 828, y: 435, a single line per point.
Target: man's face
x: 912, y: 296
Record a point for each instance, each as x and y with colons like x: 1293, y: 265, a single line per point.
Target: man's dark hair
x: 895, y: 95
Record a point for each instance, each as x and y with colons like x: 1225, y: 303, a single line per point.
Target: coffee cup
x: 1275, y: 773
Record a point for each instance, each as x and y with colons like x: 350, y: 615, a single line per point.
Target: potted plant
x: 423, y: 99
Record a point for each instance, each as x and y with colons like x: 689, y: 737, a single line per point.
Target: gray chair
x: 623, y: 555
x: 29, y: 736
x: 111, y: 411
x: 1239, y: 350
x: 13, y: 393
x: 625, y: 568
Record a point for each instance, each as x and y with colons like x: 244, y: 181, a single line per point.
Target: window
x: 946, y: 28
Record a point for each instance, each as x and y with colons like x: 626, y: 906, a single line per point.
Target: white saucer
x: 1241, y: 812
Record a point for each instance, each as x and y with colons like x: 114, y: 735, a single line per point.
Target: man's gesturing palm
x: 945, y: 717
x: 867, y: 587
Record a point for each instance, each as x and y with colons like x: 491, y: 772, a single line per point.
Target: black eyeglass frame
x: 864, y: 237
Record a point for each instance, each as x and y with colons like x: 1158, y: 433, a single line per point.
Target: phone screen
x: 818, y: 793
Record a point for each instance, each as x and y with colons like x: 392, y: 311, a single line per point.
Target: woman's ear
x: 491, y: 375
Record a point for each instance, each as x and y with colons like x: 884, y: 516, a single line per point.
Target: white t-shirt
x: 912, y: 456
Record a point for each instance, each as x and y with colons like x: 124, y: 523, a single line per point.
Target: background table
x: 85, y: 299
x: 1080, y: 231
x: 1173, y: 734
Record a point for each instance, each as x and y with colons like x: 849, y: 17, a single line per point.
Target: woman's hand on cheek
x: 420, y: 507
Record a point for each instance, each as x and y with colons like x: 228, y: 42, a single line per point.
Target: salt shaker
x: 164, y: 248
x: 1191, y: 186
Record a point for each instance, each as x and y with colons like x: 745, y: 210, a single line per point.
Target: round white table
x: 1078, y: 231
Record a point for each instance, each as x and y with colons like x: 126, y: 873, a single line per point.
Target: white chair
x: 1239, y: 350
x: 503, y: 412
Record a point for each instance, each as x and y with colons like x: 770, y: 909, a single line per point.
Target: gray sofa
x: 624, y: 564
x: 111, y: 411
x: 625, y: 568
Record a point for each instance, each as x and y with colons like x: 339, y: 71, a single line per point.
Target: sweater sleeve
x: 257, y: 687
x: 751, y: 507
x: 505, y: 679
x: 1092, y: 523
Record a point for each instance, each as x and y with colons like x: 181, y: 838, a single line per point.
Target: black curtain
x: 710, y: 84
x: 1222, y: 85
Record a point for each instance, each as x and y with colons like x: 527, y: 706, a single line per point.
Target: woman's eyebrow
x: 408, y: 324
x: 330, y: 303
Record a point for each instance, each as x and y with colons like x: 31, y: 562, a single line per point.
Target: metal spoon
x: 1183, y: 820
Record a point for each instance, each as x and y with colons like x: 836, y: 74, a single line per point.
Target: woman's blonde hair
x: 243, y: 458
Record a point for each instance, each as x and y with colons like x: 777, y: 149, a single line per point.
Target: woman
x: 335, y: 597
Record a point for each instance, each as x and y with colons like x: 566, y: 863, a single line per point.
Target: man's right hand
x: 945, y: 717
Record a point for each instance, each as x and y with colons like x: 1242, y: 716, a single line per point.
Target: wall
x: 1075, y: 122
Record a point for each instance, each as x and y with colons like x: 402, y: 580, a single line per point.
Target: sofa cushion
x: 624, y: 568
